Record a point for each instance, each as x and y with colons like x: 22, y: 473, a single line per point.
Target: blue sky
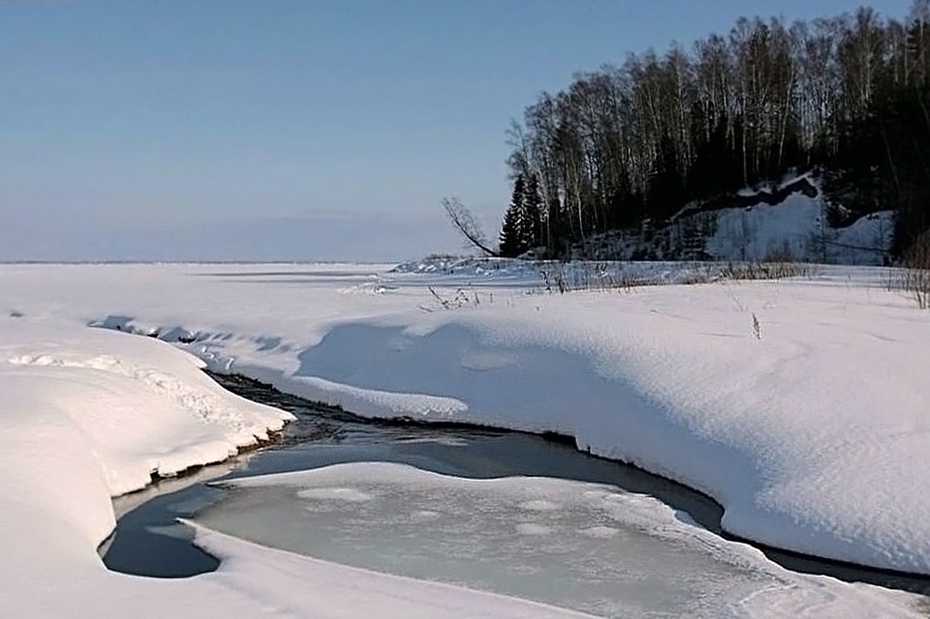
x: 291, y: 129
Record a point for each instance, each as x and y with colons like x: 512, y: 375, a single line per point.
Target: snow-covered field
x: 799, y: 405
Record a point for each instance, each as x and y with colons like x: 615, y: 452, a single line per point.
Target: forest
x: 846, y: 98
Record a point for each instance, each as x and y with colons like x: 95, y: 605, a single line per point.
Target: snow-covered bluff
x: 785, y: 221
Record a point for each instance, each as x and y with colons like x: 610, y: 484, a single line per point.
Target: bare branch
x: 466, y: 224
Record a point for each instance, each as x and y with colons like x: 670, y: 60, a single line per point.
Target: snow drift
x: 87, y: 414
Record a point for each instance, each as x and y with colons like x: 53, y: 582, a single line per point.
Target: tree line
x: 629, y: 145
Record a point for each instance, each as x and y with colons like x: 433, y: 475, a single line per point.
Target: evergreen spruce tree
x: 511, y: 243
x: 532, y: 233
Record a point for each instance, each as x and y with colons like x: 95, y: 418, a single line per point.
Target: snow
x: 813, y: 436
x: 754, y: 233
x: 87, y: 414
x: 871, y: 231
x: 143, y: 407
x: 792, y: 229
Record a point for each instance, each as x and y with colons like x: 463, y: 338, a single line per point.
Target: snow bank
x: 123, y: 408
x: 807, y: 436
x: 810, y: 436
x: 512, y: 274
x: 143, y: 407
x: 87, y: 414
x: 813, y: 435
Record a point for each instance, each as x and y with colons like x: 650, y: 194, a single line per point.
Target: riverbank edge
x: 788, y: 559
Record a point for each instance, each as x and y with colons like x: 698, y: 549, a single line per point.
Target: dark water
x: 148, y: 541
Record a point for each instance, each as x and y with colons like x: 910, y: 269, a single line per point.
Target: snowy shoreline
x: 571, y: 441
x: 90, y: 414
x: 782, y: 427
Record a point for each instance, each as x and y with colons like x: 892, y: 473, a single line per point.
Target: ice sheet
x: 587, y: 547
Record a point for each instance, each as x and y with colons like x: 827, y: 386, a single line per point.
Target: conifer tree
x: 532, y: 219
x: 511, y: 241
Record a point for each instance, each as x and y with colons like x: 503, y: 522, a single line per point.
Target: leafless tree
x: 466, y: 225
x: 747, y: 106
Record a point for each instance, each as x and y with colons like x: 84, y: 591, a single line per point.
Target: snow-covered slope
x: 794, y: 228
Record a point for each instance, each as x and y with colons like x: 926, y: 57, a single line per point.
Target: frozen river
x: 500, y: 512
